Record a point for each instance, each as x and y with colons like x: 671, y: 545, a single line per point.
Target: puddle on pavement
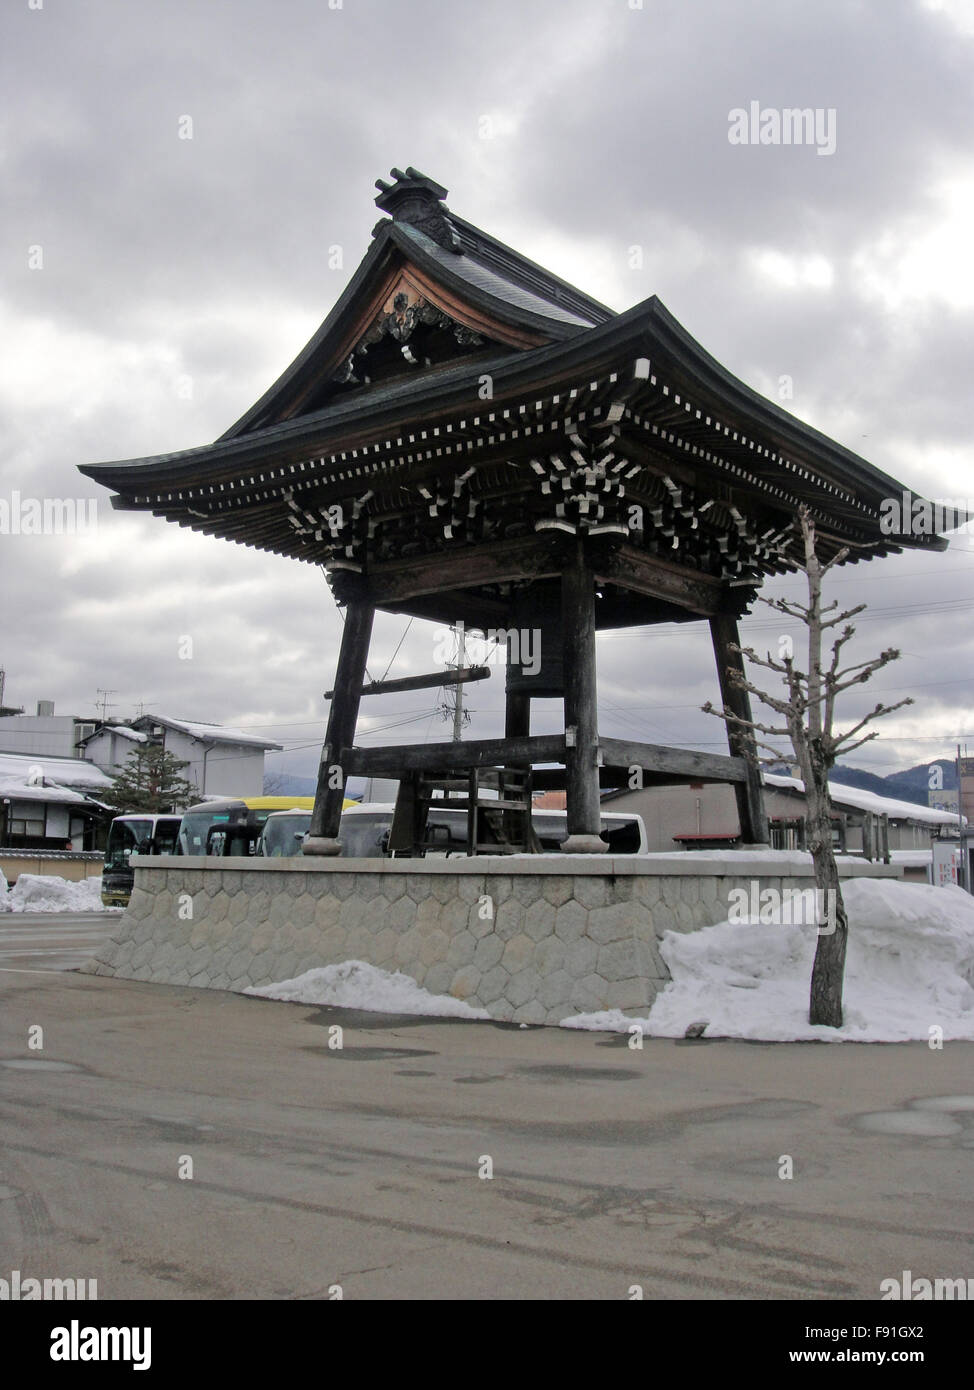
x: 554, y: 1072
x: 374, y: 1054
x: 947, y: 1103
x: 929, y: 1117
x: 36, y: 1064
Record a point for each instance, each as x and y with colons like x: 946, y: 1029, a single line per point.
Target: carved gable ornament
x: 404, y: 311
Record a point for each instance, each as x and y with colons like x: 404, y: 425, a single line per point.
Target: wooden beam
x: 441, y: 757
x: 581, y: 718
x: 750, y: 793
x: 528, y: 557
x: 657, y: 757
x: 340, y: 731
x: 431, y: 682
x: 634, y: 569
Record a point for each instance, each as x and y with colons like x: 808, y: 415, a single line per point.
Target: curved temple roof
x: 450, y: 355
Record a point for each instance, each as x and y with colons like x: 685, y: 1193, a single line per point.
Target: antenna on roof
x: 105, y: 703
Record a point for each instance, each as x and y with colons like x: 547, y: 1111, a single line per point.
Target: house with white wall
x: 220, y: 761
x: 45, y: 733
x: 703, y: 815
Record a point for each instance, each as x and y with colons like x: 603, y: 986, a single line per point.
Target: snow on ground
x: 357, y: 985
x: 49, y: 893
x: 909, y: 967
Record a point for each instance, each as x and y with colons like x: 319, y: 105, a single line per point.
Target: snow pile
x: 357, y: 985
x: 4, y: 893
x: 48, y: 893
x: 909, y: 967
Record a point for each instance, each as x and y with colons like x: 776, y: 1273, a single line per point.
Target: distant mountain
x: 911, y: 785
x: 286, y: 784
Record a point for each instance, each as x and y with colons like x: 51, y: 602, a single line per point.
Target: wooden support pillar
x: 581, y: 715
x: 750, y: 793
x: 340, y: 733
x: 517, y: 714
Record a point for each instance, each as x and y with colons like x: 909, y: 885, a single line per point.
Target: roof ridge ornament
x: 416, y: 199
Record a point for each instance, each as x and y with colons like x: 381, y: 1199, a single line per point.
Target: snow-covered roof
x: 19, y: 789
x: 861, y: 800
x: 211, y: 733
x: 65, y: 772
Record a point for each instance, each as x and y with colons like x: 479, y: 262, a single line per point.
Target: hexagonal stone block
x: 280, y: 913
x: 631, y: 996
x: 591, y: 890
x: 531, y: 1012
x: 354, y: 912
x: 500, y: 887
x: 590, y: 995
x: 428, y: 916
x: 417, y: 887
x: 492, y: 984
x: 670, y: 890
x: 468, y: 887
x: 461, y: 948
x: 464, y: 982
x: 646, y: 889
x: 241, y: 907
x: 327, y: 912
x: 581, y: 957
x: 384, y: 945
x: 392, y: 886
x: 528, y: 888
x: 262, y: 967
x: 570, y: 921
x: 401, y: 914
x: 555, y: 990
x: 488, y: 951
x: 237, y: 964
x: 482, y: 916
x: 612, y: 923
x: 550, y: 955
x: 522, y: 987
x: 539, y: 919
x: 622, y: 960
x: 518, y: 952
x: 560, y: 890
x: 439, y: 977
x: 433, y: 947
x: 442, y: 888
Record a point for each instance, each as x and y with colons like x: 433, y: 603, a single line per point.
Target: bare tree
x: 808, y: 715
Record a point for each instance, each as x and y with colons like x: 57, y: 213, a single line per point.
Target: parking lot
x: 366, y: 1165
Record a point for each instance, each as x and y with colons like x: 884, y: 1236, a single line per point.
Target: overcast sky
x: 153, y: 287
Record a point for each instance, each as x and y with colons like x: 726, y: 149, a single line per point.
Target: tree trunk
x: 828, y: 970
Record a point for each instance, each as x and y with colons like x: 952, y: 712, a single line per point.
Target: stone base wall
x: 532, y: 939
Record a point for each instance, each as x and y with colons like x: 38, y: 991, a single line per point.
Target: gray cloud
x: 206, y: 260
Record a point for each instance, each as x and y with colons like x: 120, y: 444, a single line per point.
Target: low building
x: 51, y: 804
x: 703, y: 815
x: 45, y: 733
x: 219, y: 761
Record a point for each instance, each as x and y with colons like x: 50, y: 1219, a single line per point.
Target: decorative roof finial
x: 418, y: 200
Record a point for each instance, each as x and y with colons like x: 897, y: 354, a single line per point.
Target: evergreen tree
x: 150, y: 781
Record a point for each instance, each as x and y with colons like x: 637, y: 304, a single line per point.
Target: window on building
x: 24, y: 827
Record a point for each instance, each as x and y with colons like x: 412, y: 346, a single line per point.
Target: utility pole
x: 963, y: 876
x: 458, y: 688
